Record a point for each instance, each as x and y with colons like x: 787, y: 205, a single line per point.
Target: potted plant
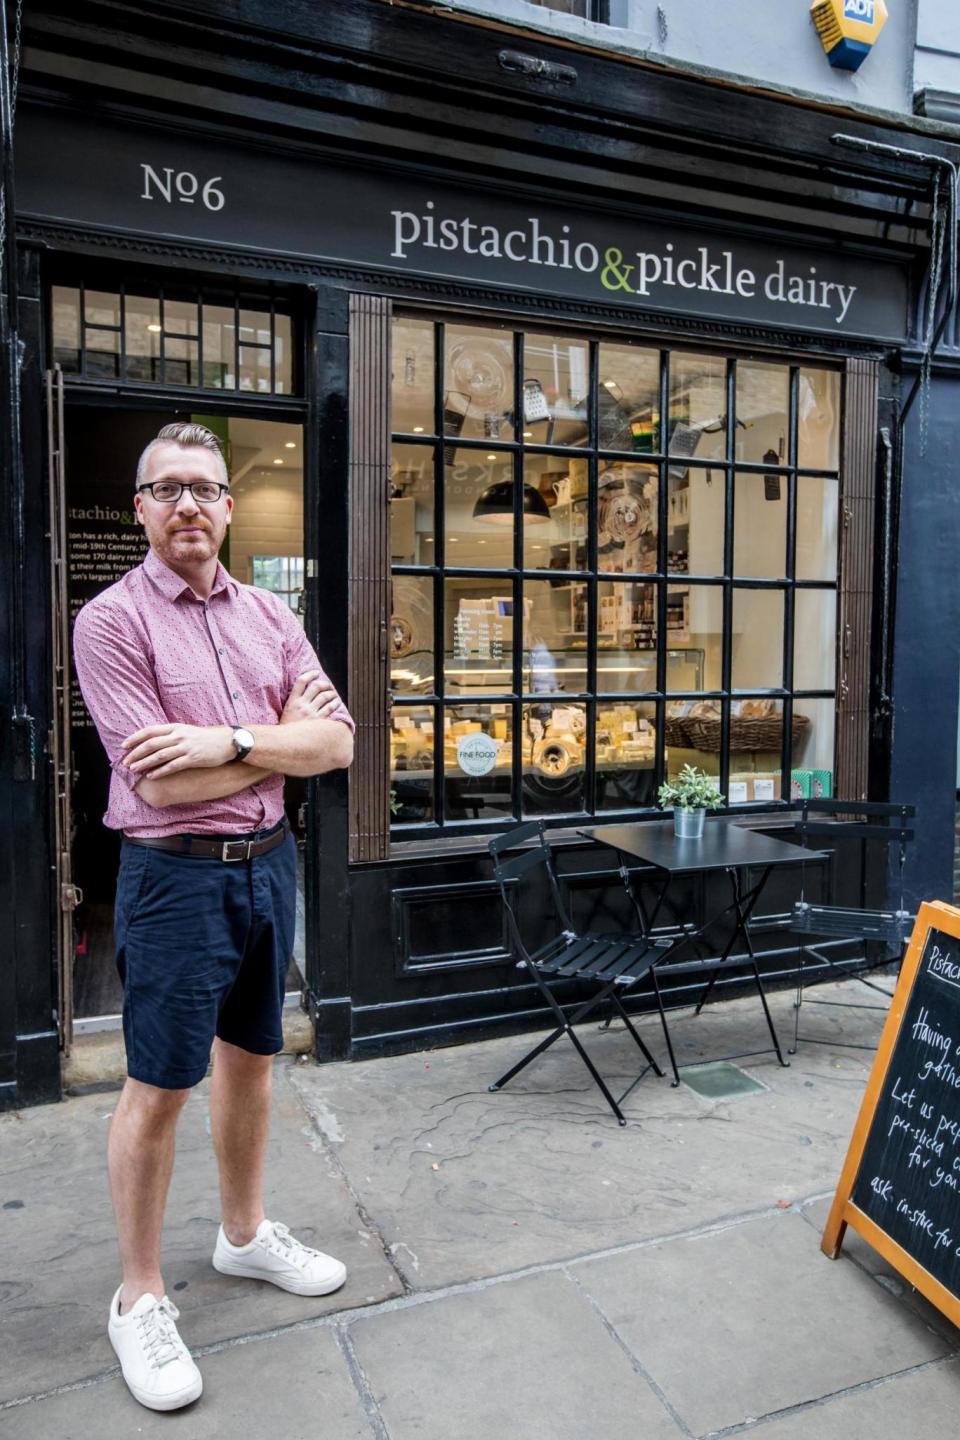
x: 691, y: 794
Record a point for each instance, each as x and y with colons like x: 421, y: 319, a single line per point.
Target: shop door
x: 94, y: 451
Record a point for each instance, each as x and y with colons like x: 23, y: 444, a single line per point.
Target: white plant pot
x: 688, y: 824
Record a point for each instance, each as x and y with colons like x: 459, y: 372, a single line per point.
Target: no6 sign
x: 182, y: 185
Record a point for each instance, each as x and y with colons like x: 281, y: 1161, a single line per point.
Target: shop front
x: 572, y: 480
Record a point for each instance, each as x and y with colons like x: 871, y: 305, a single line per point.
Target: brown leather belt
x: 228, y: 848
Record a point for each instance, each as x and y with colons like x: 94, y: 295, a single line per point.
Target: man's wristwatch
x: 243, y: 742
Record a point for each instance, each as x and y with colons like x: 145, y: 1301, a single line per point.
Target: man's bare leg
x: 140, y: 1153
x: 239, y: 1120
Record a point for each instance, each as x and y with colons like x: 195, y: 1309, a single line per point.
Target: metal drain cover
x: 719, y: 1080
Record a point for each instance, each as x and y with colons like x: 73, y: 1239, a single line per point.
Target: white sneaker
x: 156, y: 1365
x: 275, y: 1255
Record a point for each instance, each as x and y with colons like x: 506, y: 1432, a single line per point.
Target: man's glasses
x: 167, y: 492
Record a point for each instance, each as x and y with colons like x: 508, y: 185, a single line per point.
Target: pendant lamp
x: 494, y: 505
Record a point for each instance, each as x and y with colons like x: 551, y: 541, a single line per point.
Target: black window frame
x: 788, y: 585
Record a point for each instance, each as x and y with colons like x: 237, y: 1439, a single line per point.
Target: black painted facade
x: 401, y: 99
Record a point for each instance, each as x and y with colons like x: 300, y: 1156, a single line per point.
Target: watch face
x: 243, y: 740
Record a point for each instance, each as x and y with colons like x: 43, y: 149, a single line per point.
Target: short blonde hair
x: 187, y: 435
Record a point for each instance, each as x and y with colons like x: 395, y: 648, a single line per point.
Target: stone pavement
x: 519, y: 1264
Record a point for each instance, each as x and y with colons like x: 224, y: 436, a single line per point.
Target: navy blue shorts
x: 203, y: 948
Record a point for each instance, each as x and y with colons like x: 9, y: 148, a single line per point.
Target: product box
x: 801, y: 782
x: 765, y: 788
x: 738, y: 789
x: 821, y: 784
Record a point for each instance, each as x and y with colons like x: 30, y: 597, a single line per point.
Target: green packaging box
x: 801, y: 782
x: 821, y: 784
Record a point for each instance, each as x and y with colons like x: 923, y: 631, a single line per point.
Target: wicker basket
x: 675, y: 731
x: 747, y: 732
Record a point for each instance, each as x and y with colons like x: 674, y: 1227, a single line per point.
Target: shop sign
x: 93, y: 173
x: 477, y: 754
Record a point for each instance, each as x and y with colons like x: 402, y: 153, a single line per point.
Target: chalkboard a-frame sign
x: 900, y: 1186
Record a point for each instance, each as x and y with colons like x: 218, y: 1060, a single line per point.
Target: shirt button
x: 236, y: 694
x: 220, y: 650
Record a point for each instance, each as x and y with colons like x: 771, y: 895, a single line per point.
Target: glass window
x: 169, y: 338
x: 478, y: 383
x: 571, y: 666
x: 818, y: 420
x: 760, y: 525
x: 556, y: 384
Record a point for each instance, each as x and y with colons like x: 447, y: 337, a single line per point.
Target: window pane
x: 557, y: 540
x: 627, y: 636
x: 818, y: 506
x: 411, y: 763
x: 411, y: 635
x: 629, y: 399
x: 219, y: 347
x: 103, y: 352
x: 763, y: 401
x: 692, y: 737
x: 698, y: 405
x: 818, y: 417
x: 411, y: 505
x: 556, y: 386
x: 254, y: 367
x: 179, y: 316
x: 686, y: 669
x: 627, y: 517
x: 478, y: 495
x: 478, y: 637
x: 760, y: 525
x: 66, y: 328
x: 411, y: 389
x: 477, y: 761
x: 554, y: 754
x: 254, y: 328
x: 813, y: 752
x: 101, y: 307
x: 283, y: 351
x: 757, y: 640
x: 695, y: 624
x: 756, y: 751
x: 181, y: 360
x: 626, y: 755
x: 815, y: 639
x: 553, y: 660
x: 478, y: 382
x: 142, y: 337
x: 695, y: 520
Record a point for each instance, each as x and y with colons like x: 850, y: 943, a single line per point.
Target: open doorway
x: 264, y: 546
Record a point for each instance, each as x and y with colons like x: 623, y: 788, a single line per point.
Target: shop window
x: 176, y: 337
x: 608, y: 560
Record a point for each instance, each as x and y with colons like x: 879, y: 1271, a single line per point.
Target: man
x: 205, y: 694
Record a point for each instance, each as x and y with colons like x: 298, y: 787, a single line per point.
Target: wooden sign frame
x: 934, y: 915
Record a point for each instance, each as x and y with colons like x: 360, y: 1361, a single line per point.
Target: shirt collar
x: 172, y: 586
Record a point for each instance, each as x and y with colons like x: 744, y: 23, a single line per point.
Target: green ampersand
x: 618, y: 272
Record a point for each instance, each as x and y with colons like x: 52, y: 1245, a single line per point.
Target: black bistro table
x: 724, y: 846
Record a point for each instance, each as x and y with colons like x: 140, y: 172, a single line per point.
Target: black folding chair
x: 612, y: 962
x: 885, y: 931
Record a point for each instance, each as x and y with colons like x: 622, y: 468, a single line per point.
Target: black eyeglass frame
x: 181, y: 486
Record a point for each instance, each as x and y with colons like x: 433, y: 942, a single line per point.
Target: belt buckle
x: 246, y: 846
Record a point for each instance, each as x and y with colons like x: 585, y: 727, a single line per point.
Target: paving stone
x: 921, y: 1403
x: 296, y: 1385
x: 465, y: 1184
x: 526, y: 1358
x: 857, y: 1249
x: 739, y: 1323
x: 58, y: 1243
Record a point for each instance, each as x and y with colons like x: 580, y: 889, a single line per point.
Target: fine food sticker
x: 476, y: 754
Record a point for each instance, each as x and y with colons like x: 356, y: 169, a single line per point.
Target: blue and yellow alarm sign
x: 848, y: 29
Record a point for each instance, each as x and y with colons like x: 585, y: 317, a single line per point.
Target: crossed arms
x: 175, y: 764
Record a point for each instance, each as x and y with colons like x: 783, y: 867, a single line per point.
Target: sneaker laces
x: 158, y: 1331
x: 293, y: 1249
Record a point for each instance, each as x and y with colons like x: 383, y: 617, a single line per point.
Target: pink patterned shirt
x: 149, y: 651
